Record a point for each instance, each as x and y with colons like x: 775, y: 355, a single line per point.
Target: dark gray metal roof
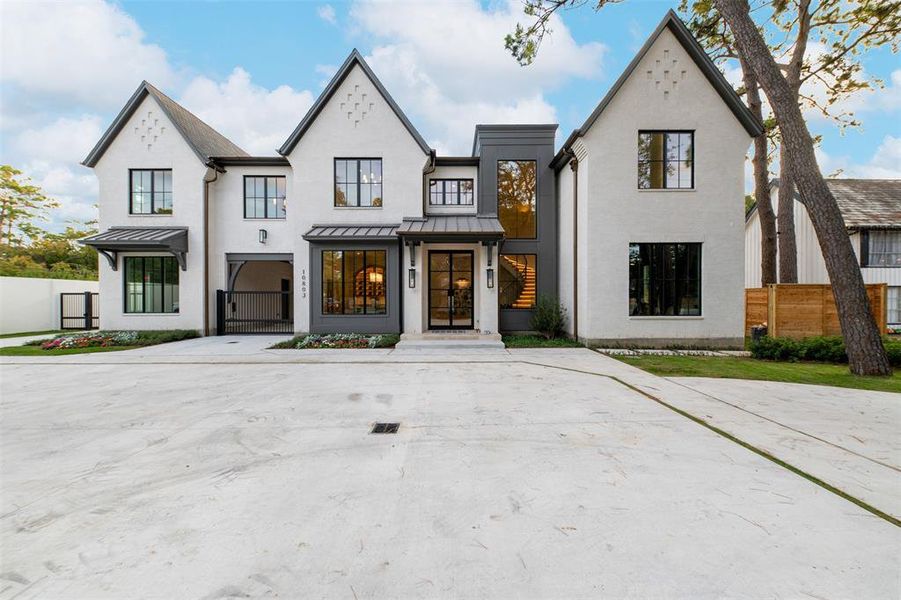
x: 353, y: 232
x: 473, y: 226
x: 672, y: 22
x: 139, y: 236
x: 864, y: 203
x: 355, y: 58
x: 205, y: 141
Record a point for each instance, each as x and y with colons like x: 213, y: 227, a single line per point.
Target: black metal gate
x: 79, y: 310
x: 254, y: 312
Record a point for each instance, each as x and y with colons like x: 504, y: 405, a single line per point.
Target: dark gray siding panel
x: 387, y: 323
x: 525, y: 142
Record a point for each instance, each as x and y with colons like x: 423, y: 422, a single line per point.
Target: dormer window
x: 150, y: 192
x: 450, y: 192
x: 358, y: 182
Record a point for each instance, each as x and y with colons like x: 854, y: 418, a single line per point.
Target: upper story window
x: 151, y: 192
x: 517, y: 198
x: 450, y: 192
x: 882, y: 248
x: 264, y: 197
x: 358, y: 182
x: 666, y: 160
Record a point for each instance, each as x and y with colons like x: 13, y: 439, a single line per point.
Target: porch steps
x: 417, y: 342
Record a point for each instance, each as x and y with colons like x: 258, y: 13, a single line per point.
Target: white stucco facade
x: 355, y: 118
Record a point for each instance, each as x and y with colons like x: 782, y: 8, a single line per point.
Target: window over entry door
x: 450, y: 290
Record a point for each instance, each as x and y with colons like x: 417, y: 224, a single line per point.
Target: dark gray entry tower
x: 494, y: 144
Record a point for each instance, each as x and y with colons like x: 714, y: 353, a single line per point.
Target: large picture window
x: 517, y: 198
x: 354, y: 282
x: 358, y: 182
x: 882, y: 248
x: 151, y: 284
x: 264, y: 197
x: 894, y: 305
x: 518, y: 280
x: 664, y: 279
x: 665, y: 160
x: 150, y: 191
x: 453, y: 192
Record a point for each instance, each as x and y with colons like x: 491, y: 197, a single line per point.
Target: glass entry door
x: 450, y: 290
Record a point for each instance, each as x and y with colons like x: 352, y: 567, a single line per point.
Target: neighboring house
x: 871, y: 209
x: 359, y: 226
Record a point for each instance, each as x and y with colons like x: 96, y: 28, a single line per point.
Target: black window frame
x: 640, y: 162
x: 131, y: 181
x: 500, y: 258
x: 866, y: 260
x: 657, y: 291
x: 445, y: 194
x: 359, y: 183
x: 266, y: 196
x: 497, y: 192
x: 344, y: 252
x: 164, y: 260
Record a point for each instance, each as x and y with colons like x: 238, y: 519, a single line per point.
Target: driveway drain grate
x: 385, y: 428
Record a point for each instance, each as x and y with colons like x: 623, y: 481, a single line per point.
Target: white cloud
x: 327, y: 13
x: 257, y: 119
x: 87, y: 52
x: 63, y: 140
x: 884, y: 164
x: 446, y: 64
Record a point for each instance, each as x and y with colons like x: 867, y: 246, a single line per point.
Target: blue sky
x: 251, y: 69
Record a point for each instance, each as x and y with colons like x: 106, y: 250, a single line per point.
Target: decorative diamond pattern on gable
x: 357, y: 105
x: 666, y: 75
x: 150, y: 129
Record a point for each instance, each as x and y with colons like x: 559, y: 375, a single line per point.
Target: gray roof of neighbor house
x: 205, y: 141
x: 351, y: 232
x: 355, y: 58
x: 452, y: 225
x: 672, y: 22
x: 864, y: 203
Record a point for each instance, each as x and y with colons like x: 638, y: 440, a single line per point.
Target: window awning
x: 141, y: 239
x: 462, y: 228
x: 351, y: 233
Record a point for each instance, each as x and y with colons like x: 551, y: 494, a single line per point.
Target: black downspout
x: 574, y: 165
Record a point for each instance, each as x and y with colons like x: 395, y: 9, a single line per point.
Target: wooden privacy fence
x: 799, y: 310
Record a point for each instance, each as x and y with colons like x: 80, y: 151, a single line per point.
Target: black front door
x: 450, y: 290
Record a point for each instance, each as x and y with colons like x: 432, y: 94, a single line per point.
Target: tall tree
x: 21, y: 205
x: 866, y: 354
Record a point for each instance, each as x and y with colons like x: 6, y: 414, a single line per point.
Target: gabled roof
x: 205, y: 141
x: 864, y: 203
x: 354, y: 59
x: 674, y: 24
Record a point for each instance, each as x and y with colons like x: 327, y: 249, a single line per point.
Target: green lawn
x: 37, y: 351
x: 749, y: 368
x: 537, y: 341
x: 27, y: 333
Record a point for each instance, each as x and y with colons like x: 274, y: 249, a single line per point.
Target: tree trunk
x: 788, y: 247
x: 866, y: 354
x: 762, y: 197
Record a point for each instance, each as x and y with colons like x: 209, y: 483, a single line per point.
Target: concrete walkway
x: 193, y: 471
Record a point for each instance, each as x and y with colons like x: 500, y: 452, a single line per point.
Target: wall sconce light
x: 490, y: 278
x: 263, y: 236
x: 411, y: 277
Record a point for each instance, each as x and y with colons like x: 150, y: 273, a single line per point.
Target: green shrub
x: 550, y: 317
x: 814, y: 349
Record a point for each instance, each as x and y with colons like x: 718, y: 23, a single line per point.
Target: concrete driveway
x: 526, y: 474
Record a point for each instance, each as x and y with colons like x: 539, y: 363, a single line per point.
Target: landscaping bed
x: 538, y: 341
x: 339, y: 341
x: 97, y: 341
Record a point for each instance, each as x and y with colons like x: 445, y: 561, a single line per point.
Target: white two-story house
x: 635, y: 224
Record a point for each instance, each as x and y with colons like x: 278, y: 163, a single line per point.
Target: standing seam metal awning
x: 148, y: 239
x: 351, y: 233
x: 452, y: 228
